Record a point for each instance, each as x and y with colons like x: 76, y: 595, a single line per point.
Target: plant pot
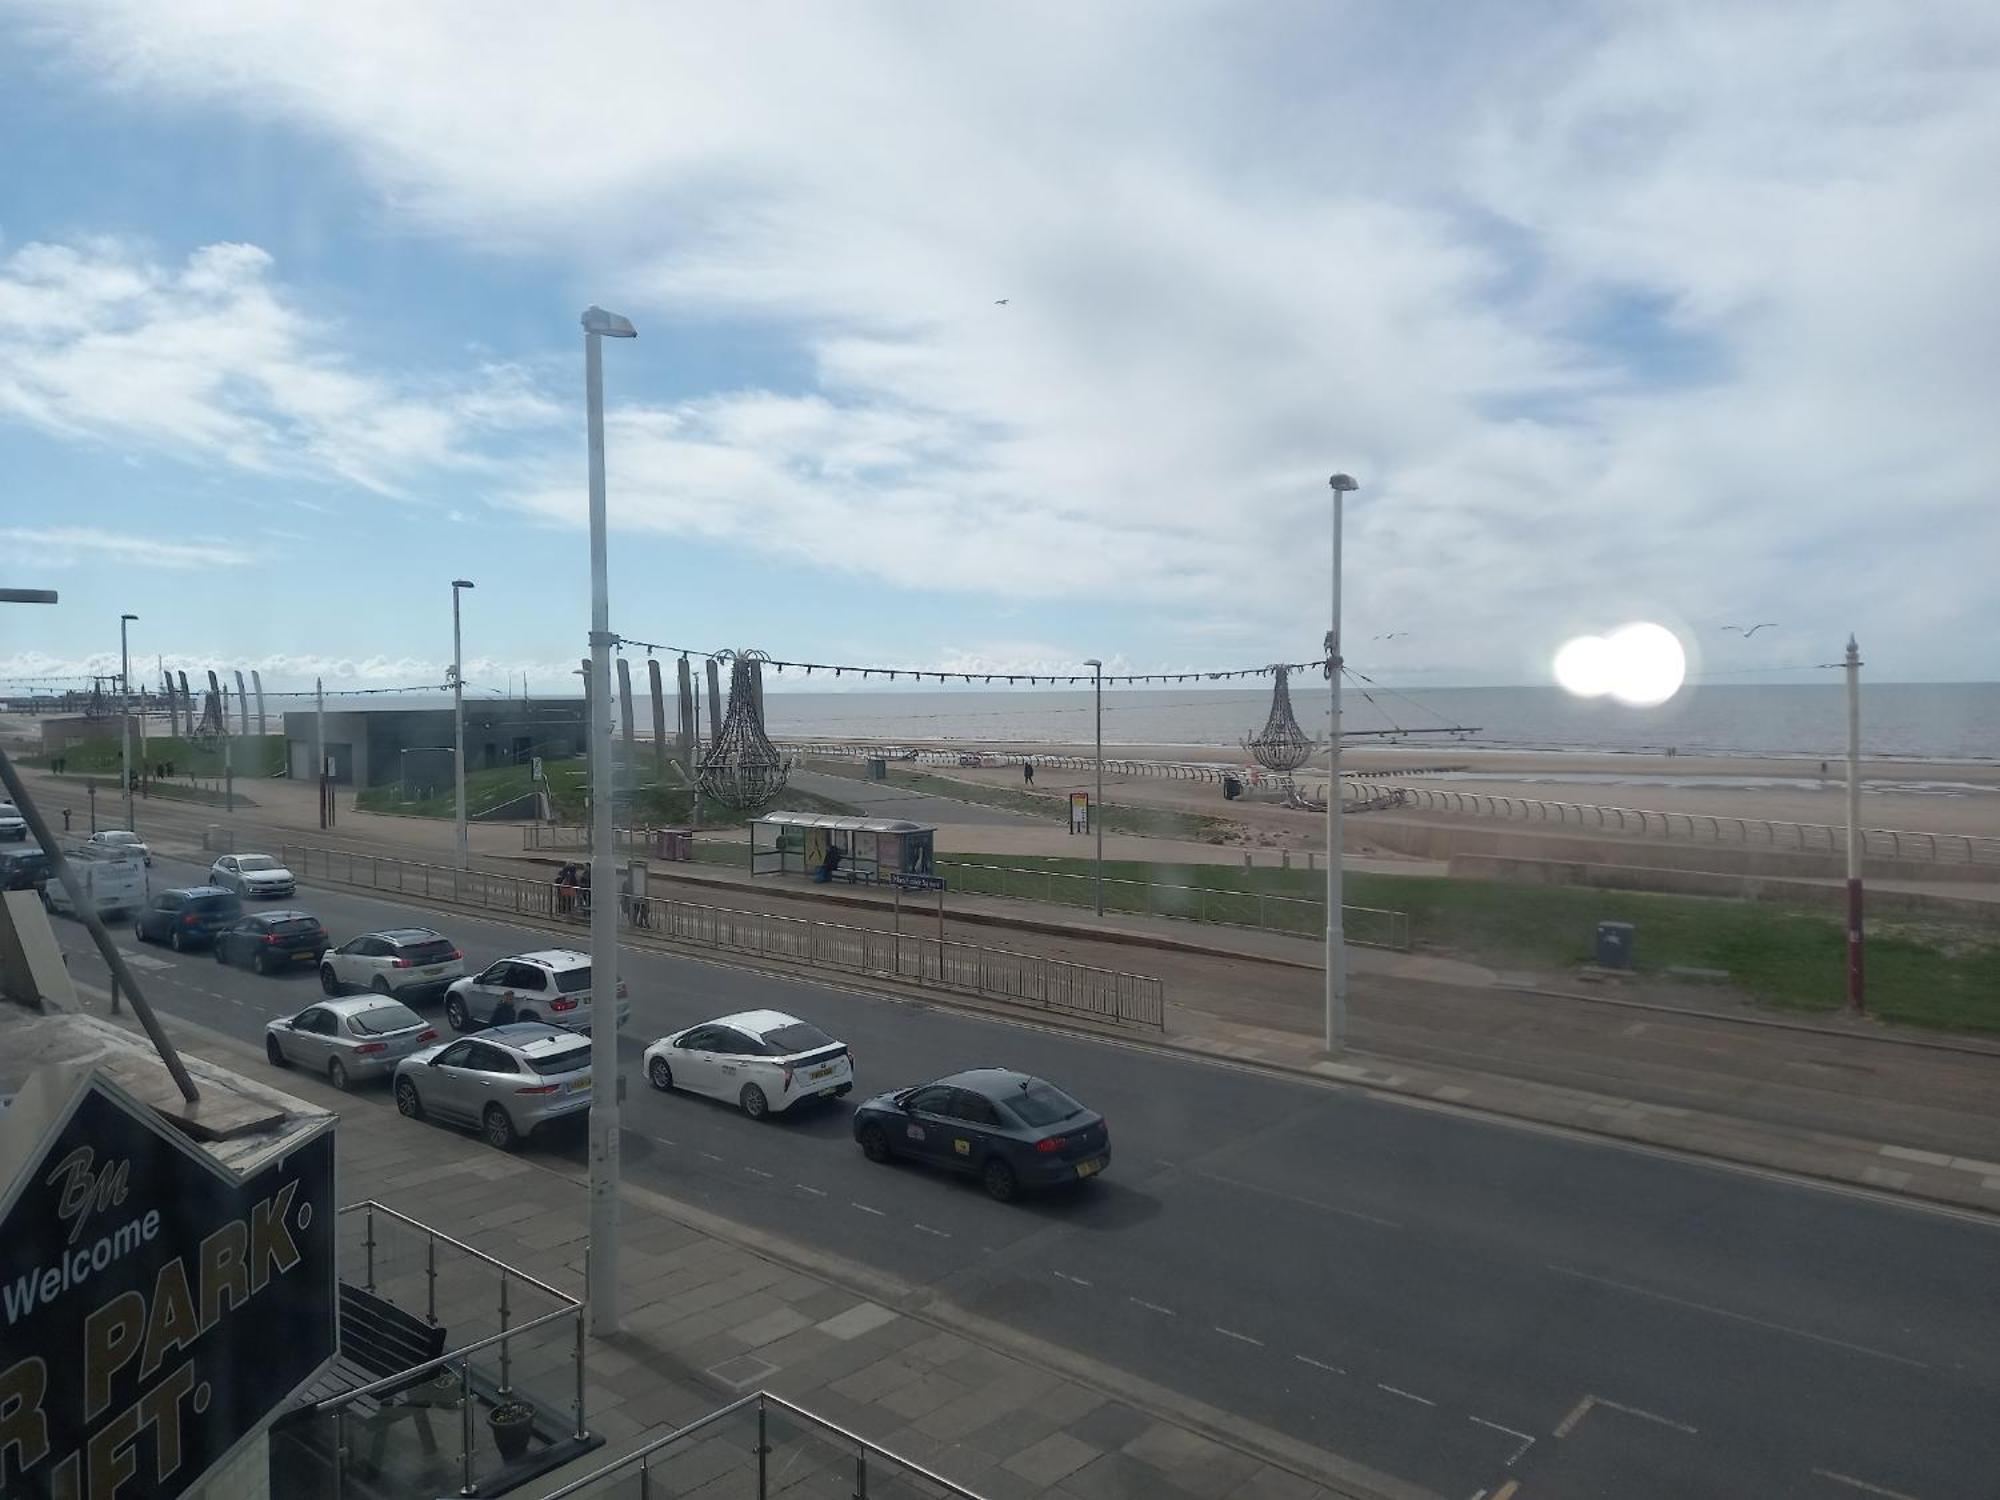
x: 513, y: 1423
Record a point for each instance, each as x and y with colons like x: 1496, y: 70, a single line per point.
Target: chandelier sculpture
x: 741, y: 767
x: 1281, y: 745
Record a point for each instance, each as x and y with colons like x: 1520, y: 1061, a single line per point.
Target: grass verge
x: 1150, y: 822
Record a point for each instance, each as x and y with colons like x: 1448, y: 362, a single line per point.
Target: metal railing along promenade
x: 1714, y: 828
x: 1365, y: 926
x: 763, y: 1440
x: 924, y: 960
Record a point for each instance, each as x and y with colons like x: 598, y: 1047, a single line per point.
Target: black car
x: 271, y: 940
x: 1010, y: 1130
x: 24, y: 870
x: 186, y: 918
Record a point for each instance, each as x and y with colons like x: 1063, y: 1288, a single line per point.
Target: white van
x: 114, y: 884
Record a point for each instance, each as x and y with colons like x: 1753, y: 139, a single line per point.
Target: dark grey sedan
x: 272, y: 941
x: 1010, y: 1130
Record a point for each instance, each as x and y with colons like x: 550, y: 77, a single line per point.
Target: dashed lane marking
x: 710, y: 1155
x: 867, y: 1210
x: 1319, y: 1364
x: 806, y: 1187
x: 1078, y: 1280
x: 1723, y: 1312
x: 1300, y: 1199
x: 1582, y: 1409
x: 1506, y: 1491
x: 759, y: 1172
x: 1231, y: 1333
x: 1862, y: 1485
x: 1527, y: 1442
x: 1166, y: 1312
x: 1406, y: 1395
x: 926, y: 1229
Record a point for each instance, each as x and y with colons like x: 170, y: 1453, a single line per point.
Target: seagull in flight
x: 1747, y: 632
x: 1002, y: 301
x: 1394, y: 635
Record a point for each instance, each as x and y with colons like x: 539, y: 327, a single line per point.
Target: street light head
x: 128, y: 617
x: 1094, y: 662
x: 461, y: 583
x: 1343, y: 483
x: 610, y: 324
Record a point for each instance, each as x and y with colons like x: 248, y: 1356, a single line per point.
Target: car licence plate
x: 1091, y: 1167
x: 579, y: 1085
x: 825, y: 1072
x: 303, y: 953
x: 432, y: 972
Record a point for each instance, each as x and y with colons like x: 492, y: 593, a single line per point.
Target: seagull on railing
x: 1747, y: 631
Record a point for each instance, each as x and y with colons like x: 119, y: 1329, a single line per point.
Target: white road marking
x: 806, y: 1188
x: 1526, y: 1441
x: 1576, y: 1414
x: 1723, y: 1312
x: 1406, y: 1395
x: 711, y: 1155
x: 758, y: 1172
x: 867, y: 1210
x: 926, y: 1229
x: 1861, y: 1484
x: 1077, y: 1279
x: 1152, y: 1307
x: 1582, y: 1409
x: 1332, y: 1208
x: 1307, y: 1359
x: 1230, y: 1333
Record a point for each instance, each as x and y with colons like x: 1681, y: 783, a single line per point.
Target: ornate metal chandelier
x: 741, y: 767
x: 1280, y: 745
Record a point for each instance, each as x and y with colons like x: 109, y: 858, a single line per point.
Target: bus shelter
x: 874, y: 851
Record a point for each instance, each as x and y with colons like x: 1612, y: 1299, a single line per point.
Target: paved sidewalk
x: 713, y: 1310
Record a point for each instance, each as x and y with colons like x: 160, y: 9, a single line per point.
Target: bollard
x: 465, y: 1484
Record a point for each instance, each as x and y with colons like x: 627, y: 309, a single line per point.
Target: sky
x: 1000, y: 337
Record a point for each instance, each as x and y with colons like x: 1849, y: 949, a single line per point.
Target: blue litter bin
x: 1614, y: 944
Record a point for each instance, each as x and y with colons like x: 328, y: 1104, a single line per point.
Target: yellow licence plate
x: 1088, y: 1168
x: 579, y: 1085
x: 822, y: 1072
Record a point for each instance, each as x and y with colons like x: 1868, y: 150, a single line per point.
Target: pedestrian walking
x: 1028, y: 772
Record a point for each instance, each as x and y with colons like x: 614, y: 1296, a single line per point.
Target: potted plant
x: 512, y: 1423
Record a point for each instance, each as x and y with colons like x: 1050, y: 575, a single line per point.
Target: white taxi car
x: 763, y: 1061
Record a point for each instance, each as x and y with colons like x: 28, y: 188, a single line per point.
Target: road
x: 1455, y: 1300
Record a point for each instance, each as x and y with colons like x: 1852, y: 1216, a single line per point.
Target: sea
x: 1915, y: 721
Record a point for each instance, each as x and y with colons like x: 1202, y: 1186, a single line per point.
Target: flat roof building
x: 374, y: 746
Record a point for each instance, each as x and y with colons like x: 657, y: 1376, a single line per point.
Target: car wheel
x: 380, y: 986
x: 661, y: 1076
x: 273, y: 1053
x: 261, y: 964
x: 138, y: 932
x: 408, y: 1105
x: 498, y: 1129
x: 216, y: 949
x: 177, y: 942
x: 1001, y: 1184
x: 875, y: 1143
x: 336, y: 1074
x: 454, y: 1014
x: 755, y: 1105
x: 327, y: 981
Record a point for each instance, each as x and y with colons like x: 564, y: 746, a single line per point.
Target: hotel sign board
x: 156, y: 1308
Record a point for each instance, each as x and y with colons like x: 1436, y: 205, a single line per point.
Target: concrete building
x: 375, y: 746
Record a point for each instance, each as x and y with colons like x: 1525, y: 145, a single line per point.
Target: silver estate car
x: 348, y: 1040
x: 505, y: 1082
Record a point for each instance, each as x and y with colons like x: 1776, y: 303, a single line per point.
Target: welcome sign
x: 155, y: 1307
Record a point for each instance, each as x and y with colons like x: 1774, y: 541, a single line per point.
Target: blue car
x: 1010, y: 1130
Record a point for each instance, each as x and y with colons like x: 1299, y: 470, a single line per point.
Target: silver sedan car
x: 350, y: 1039
x: 506, y: 1082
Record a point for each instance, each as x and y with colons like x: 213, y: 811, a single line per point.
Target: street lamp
x: 599, y: 325
x: 1097, y: 809
x: 125, y: 715
x: 1336, y: 951
x: 458, y: 715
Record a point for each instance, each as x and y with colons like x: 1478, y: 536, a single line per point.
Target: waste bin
x: 1614, y: 944
x: 878, y: 768
x: 673, y: 844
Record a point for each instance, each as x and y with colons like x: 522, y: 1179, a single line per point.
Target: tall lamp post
x: 125, y: 715
x: 458, y: 715
x: 1336, y: 949
x: 1097, y: 806
x: 1855, y: 999
x: 599, y: 325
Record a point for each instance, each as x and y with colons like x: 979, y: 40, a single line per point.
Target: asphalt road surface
x: 1458, y: 1301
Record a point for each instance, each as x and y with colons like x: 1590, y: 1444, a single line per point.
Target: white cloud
x: 81, y: 546
x: 1669, y: 312
x: 208, y: 360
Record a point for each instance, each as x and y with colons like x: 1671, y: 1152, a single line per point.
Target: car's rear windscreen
x: 215, y: 906
x: 389, y: 1016
x: 565, y: 1060
x: 1039, y: 1104
x: 570, y: 981
x: 432, y: 951
x: 295, y: 924
x: 798, y: 1037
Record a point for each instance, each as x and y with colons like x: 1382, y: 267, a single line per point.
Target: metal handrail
x: 367, y: 1204
x: 449, y: 1357
x: 759, y: 1400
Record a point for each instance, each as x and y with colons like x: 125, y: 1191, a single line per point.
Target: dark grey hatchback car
x: 1010, y: 1130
